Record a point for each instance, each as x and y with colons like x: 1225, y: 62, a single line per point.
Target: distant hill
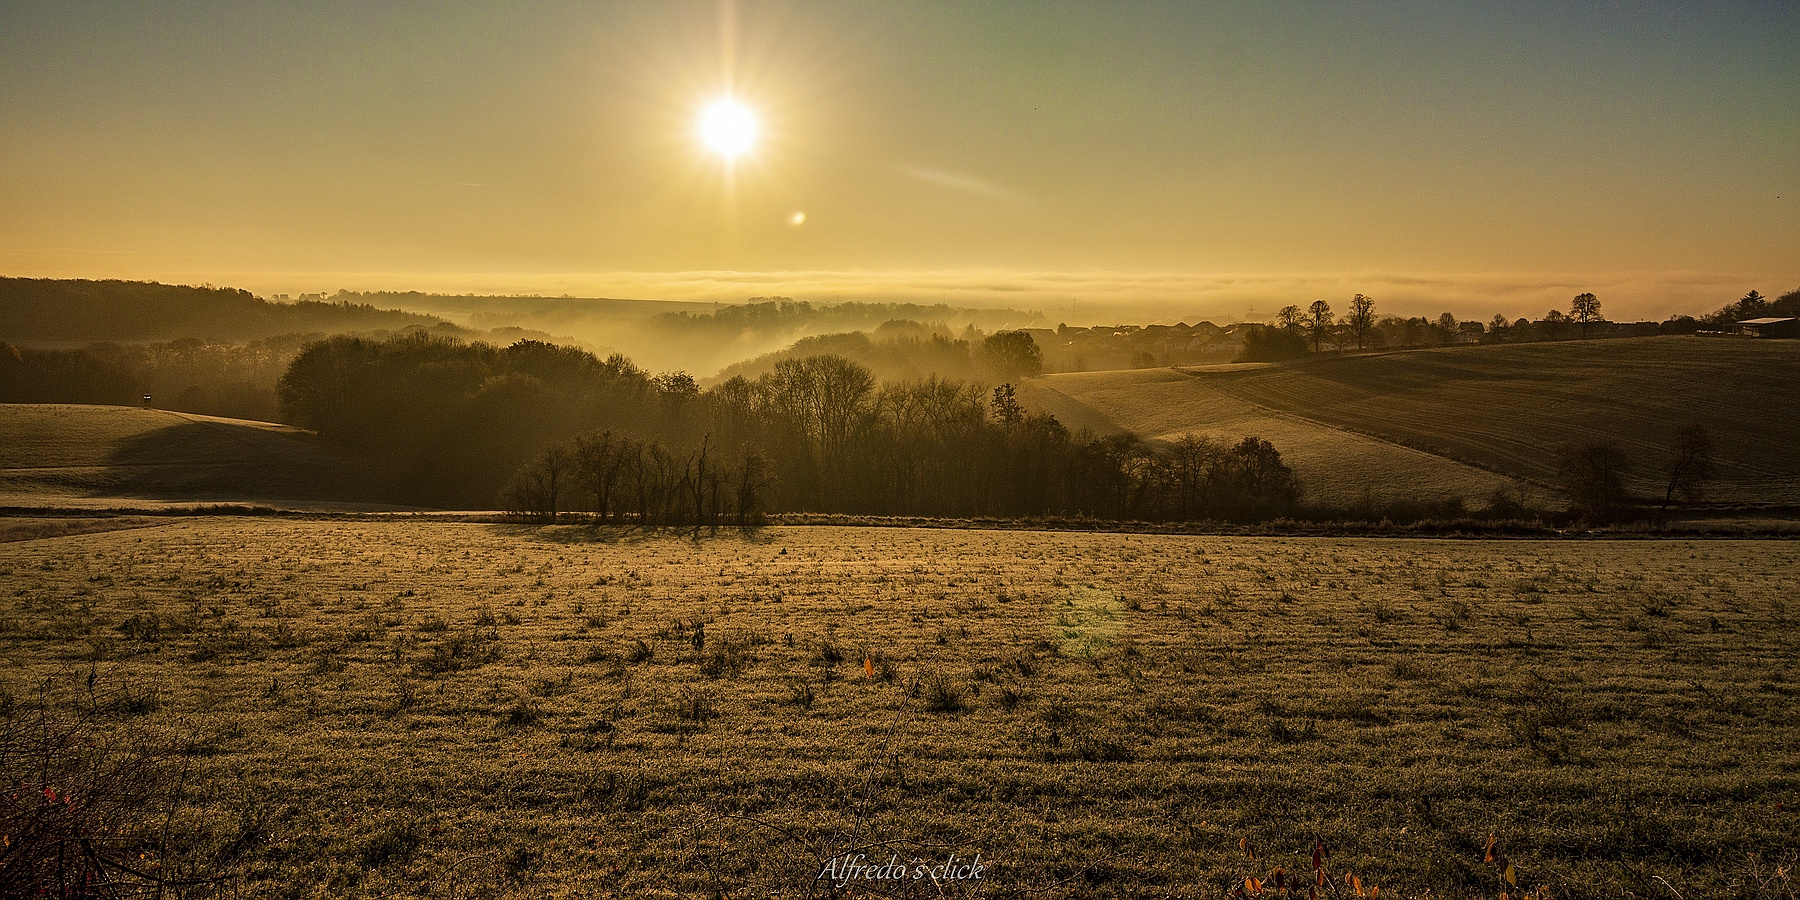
x: 896, y: 351
x: 78, y: 311
x: 112, y: 456
x: 903, y: 349
x: 696, y: 337
x: 1502, y: 408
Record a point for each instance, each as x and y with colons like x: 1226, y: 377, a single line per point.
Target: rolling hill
x: 81, y: 456
x: 1335, y: 466
x: 65, y: 311
x: 1462, y: 419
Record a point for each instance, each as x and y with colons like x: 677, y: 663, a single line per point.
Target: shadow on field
x: 203, y: 460
x: 629, y: 534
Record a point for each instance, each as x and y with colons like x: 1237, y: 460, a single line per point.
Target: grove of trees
x: 187, y: 375
x: 556, y: 429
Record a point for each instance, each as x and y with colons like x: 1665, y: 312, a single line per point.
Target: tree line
x: 553, y: 430
x: 1754, y: 306
x: 187, y: 375
x: 51, y: 309
x: 1297, y: 331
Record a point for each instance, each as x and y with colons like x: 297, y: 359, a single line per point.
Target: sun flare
x: 728, y: 128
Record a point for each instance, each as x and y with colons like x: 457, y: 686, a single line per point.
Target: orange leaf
x: 868, y: 667
x: 1489, y: 857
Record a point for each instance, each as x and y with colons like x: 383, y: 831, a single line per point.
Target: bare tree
x: 599, y: 460
x: 537, y: 488
x: 1691, y: 467
x: 1290, y: 318
x: 1361, y: 318
x: 825, y: 398
x: 1585, y: 308
x: 1198, y: 467
x: 752, y: 478
x: 1318, y: 321
x: 697, y: 482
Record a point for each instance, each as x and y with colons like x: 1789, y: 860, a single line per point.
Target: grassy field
x: 1336, y: 465
x: 1503, y: 408
x: 104, y: 456
x: 459, y: 710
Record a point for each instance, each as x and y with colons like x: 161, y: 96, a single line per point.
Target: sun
x: 728, y: 128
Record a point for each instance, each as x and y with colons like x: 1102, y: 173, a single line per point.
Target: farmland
x: 79, y: 456
x: 371, y: 708
x: 1335, y: 465
x: 1502, y: 408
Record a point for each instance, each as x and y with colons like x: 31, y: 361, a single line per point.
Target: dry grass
x: 459, y: 710
x: 31, y: 529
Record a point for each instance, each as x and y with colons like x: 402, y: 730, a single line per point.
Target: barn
x: 1768, y: 327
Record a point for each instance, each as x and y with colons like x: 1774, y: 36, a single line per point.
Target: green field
x: 78, y: 456
x: 1502, y: 408
x: 456, y: 710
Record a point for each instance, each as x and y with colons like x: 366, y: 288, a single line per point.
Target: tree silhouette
x: 1012, y: 355
x: 1448, y: 327
x: 1691, y: 466
x: 1318, y: 322
x: 1361, y: 318
x: 1007, y: 410
x: 1290, y: 318
x: 1263, y: 343
x: 1199, y: 472
x: 536, y: 490
x: 1585, y: 308
x: 599, y: 461
x: 751, y: 478
x: 1591, y: 475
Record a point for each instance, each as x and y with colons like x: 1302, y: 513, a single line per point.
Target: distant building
x: 1768, y: 327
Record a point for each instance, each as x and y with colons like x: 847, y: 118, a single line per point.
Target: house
x: 1768, y: 327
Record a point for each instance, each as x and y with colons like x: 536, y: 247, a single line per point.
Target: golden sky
x: 1161, y: 159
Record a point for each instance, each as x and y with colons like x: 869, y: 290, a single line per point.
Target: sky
x: 1097, y: 160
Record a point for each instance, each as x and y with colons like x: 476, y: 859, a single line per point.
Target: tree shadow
x: 222, y: 461
x: 588, y: 533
